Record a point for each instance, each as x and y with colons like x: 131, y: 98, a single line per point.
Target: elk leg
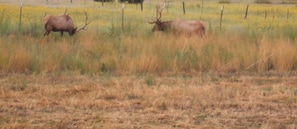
x: 202, y: 32
x: 46, y: 33
x: 61, y: 32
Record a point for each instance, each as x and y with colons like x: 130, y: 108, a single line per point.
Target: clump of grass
x: 150, y: 80
x: 262, y: 1
x: 288, y: 2
x: 4, y: 22
x: 225, y: 1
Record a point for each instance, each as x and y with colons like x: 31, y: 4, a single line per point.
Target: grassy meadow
x: 116, y: 74
x: 257, y: 44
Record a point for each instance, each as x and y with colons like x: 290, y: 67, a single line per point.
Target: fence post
x: 167, y: 5
x: 123, y: 10
x: 221, y: 18
x: 202, y: 7
x: 246, y: 11
x: 265, y: 14
x: 288, y: 14
x: 141, y: 6
x: 273, y: 15
x: 150, y: 5
x: 184, y: 9
x: 21, y: 8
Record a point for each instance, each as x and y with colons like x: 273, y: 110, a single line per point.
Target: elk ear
x: 151, y: 22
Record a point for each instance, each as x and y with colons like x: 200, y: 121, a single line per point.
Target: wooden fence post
x: 265, y: 15
x: 221, y: 17
x: 184, y: 9
x: 141, y: 6
x: 273, y: 15
x: 167, y: 5
x: 246, y: 11
x: 202, y: 7
x: 21, y: 8
x: 150, y: 5
x: 288, y: 14
x: 123, y: 10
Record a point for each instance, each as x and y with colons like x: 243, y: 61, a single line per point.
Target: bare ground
x: 200, y: 101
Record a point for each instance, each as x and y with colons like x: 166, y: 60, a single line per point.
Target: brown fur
x: 187, y: 27
x: 58, y: 23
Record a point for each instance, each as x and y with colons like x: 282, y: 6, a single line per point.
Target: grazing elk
x: 177, y: 26
x: 61, y: 23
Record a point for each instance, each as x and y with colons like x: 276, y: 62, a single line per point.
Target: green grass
x: 254, y: 44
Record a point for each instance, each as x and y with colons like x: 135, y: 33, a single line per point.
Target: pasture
x: 118, y: 74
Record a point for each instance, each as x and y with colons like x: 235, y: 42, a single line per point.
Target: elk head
x: 159, y: 26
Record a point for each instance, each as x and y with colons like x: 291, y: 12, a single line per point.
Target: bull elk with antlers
x: 61, y: 23
x: 177, y: 26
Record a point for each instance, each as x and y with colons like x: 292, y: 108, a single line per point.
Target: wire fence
x: 179, y: 7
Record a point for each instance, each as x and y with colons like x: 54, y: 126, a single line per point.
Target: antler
x: 159, y: 10
x: 86, y: 23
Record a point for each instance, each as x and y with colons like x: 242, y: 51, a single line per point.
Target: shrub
x: 225, y: 1
x: 262, y: 2
x: 103, y: 0
x: 132, y: 1
x: 289, y: 2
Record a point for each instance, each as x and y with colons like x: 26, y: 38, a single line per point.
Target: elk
x: 178, y: 26
x: 61, y: 23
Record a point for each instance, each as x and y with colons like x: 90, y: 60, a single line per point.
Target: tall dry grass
x: 153, y: 53
x: 165, y: 81
x: 242, y: 45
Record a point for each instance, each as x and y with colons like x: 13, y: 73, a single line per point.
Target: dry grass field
x: 72, y: 100
x: 241, y: 77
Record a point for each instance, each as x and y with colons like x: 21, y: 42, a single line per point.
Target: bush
x: 262, y: 2
x: 225, y: 1
x: 289, y: 2
x: 132, y: 1
x: 103, y: 0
